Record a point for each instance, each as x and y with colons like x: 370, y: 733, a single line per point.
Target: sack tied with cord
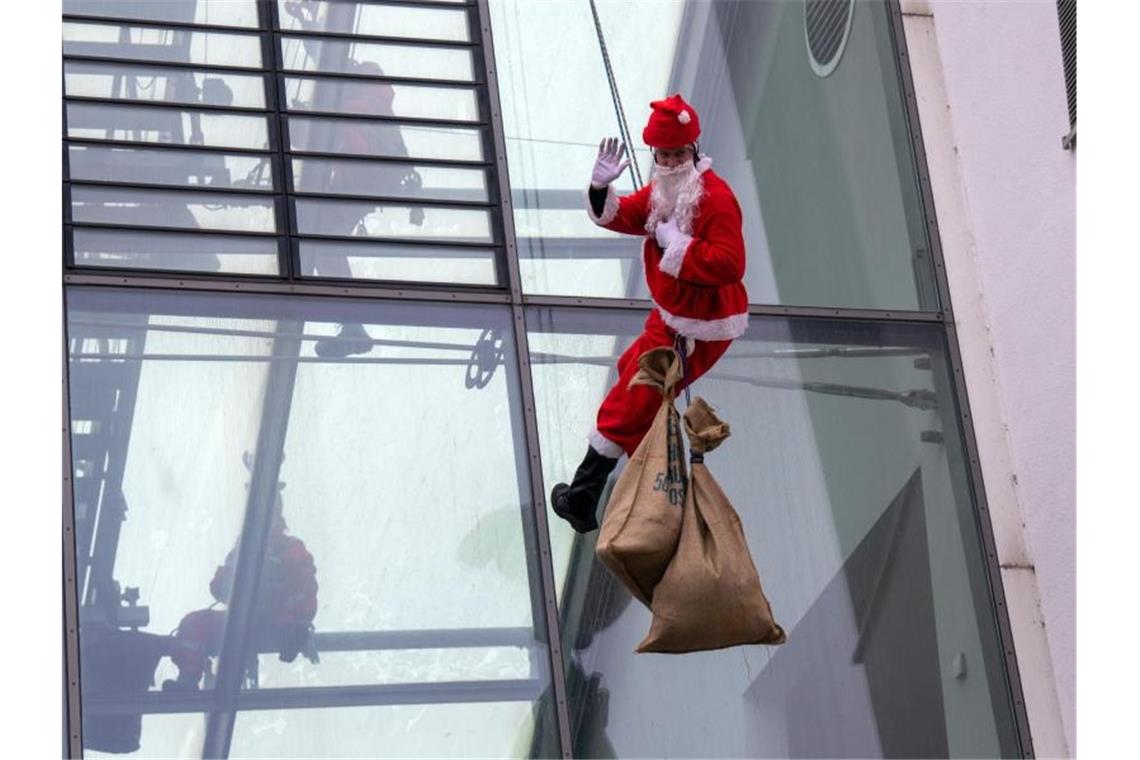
x: 709, y: 596
x: 642, y: 522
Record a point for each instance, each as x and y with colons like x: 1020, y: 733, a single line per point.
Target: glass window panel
x: 490, y: 729
x: 371, y: 261
x: 170, y: 167
x: 161, y: 44
x: 381, y: 99
x: 162, y: 208
x: 379, y: 20
x: 822, y: 166
x: 363, y: 138
x: 174, y: 251
x: 357, y: 57
x: 217, y: 12
x: 847, y: 469
x: 167, y: 125
x: 158, y: 734
x: 427, y: 182
x: 130, y: 82
x: 425, y: 576
x: 387, y: 220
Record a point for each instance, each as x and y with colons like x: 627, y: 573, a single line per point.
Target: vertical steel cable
x: 622, y: 126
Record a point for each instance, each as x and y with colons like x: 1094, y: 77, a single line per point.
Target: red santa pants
x: 627, y: 413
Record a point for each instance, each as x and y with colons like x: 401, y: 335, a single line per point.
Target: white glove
x: 666, y: 232
x: 609, y: 165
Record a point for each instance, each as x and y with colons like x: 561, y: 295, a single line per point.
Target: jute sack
x: 643, y: 517
x: 710, y: 595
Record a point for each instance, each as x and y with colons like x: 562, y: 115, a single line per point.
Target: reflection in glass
x: 96, y: 121
x: 136, y: 82
x: 847, y: 469
x: 386, y: 580
x: 162, y: 208
x: 170, y: 167
x: 373, y: 261
x: 493, y: 729
x: 352, y: 57
x: 218, y: 12
x: 375, y: 19
x: 175, y: 251
x: 161, y: 44
x: 363, y: 138
x: 386, y: 220
x: 822, y: 166
x: 428, y: 182
x: 382, y: 99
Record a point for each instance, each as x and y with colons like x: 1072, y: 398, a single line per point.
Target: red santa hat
x: 672, y: 124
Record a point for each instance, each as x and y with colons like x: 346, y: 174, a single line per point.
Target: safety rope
x: 622, y: 126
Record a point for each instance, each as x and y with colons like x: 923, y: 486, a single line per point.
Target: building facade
x: 336, y: 320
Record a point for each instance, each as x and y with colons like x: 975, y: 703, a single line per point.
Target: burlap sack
x: 643, y: 517
x: 710, y: 595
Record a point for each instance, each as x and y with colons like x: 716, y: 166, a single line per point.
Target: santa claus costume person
x: 694, y: 266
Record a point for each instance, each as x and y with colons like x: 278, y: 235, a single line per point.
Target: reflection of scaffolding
x: 486, y: 354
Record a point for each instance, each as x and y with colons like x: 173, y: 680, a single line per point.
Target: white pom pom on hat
x: 684, y: 117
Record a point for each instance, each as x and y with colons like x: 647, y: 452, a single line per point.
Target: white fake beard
x: 676, y: 192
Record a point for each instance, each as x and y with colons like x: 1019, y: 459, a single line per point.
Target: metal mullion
x: 359, y: 37
x: 431, y: 81
x: 187, y: 230
x: 138, y: 145
x: 233, y: 283
x: 164, y: 104
x: 983, y: 519
x: 248, y: 233
x: 157, y: 25
x: 409, y: 245
x: 288, y: 263
x: 204, y: 68
x: 522, y: 349
x: 122, y: 272
x: 168, y: 228
x: 201, y: 189
x: 418, y: 4
x: 761, y: 310
x: 256, y: 522
x: 444, y: 84
x: 412, y: 121
x: 347, y: 695
x: 122, y: 21
x: 443, y: 162
x: 72, y: 674
x: 395, y: 200
x: 413, y: 242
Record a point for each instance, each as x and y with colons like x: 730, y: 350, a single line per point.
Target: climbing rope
x: 618, y: 110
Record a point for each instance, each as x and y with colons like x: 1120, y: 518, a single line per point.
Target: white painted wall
x: 991, y: 92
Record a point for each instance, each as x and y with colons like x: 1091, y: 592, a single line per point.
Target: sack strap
x: 679, y: 344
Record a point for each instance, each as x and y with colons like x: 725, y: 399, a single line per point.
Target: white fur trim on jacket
x: 609, y: 212
x: 604, y: 446
x: 674, y: 256
x: 725, y: 328
x: 704, y: 163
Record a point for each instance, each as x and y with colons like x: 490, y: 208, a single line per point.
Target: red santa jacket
x: 697, y: 285
x: 288, y: 592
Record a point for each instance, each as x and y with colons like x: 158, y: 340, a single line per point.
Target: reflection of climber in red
x: 283, y: 612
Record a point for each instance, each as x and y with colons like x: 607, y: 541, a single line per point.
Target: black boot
x: 577, y: 503
x: 351, y: 339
